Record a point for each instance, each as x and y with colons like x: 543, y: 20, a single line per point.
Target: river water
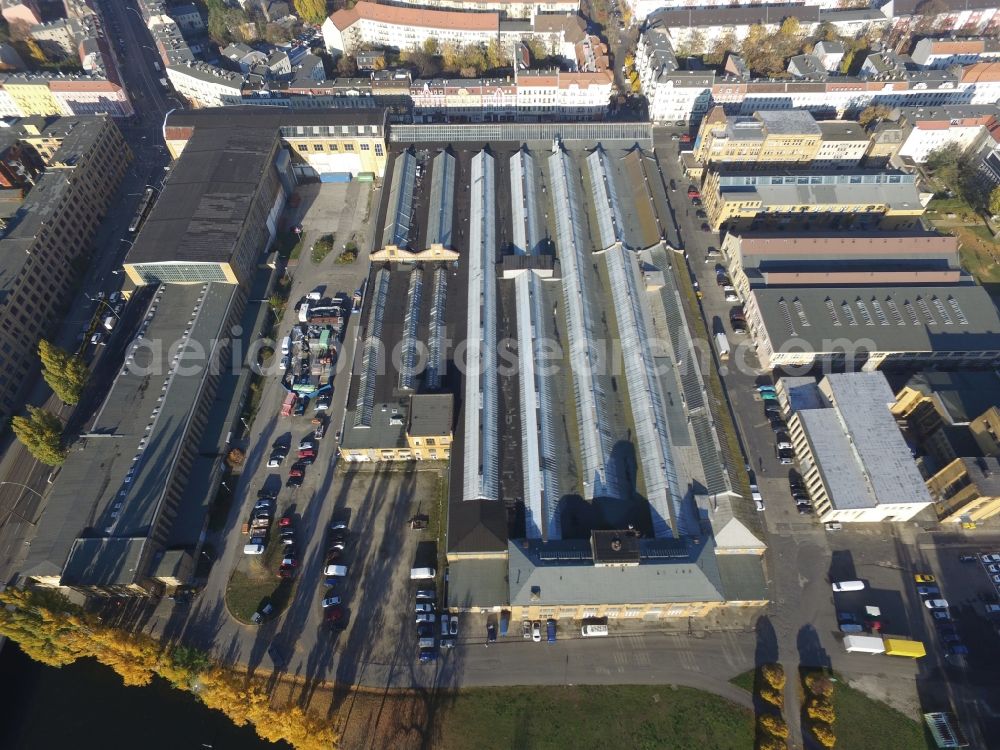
x: 85, y: 706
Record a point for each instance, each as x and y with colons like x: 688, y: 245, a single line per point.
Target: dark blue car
x: 550, y: 629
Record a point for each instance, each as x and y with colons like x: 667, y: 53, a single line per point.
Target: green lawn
x: 857, y: 715
x: 745, y: 680
x: 631, y: 716
x: 980, y: 253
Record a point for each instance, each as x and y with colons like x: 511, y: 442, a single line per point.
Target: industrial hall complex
x: 585, y: 481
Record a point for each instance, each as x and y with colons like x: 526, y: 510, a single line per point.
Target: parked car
x: 428, y: 608
x: 330, y: 601
x: 323, y: 402
x: 785, y: 456
x: 425, y: 630
x: 453, y: 625
x: 286, y: 571
x: 258, y: 617
x: 968, y: 559
x: 936, y: 604
x: 990, y: 558
x: 536, y: 631
x: 928, y: 590
x: 425, y: 617
x: 783, y: 441
x: 525, y: 630
x: 276, y: 459
x: 294, y: 481
x: 444, y: 624
x: 426, y: 595
x: 924, y: 578
x: 550, y: 630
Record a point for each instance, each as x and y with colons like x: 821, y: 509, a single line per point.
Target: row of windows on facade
x: 379, y: 151
x: 291, y: 131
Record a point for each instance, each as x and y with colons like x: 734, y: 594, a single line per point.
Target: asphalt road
x: 22, y: 497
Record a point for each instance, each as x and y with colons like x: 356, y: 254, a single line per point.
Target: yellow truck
x: 903, y: 647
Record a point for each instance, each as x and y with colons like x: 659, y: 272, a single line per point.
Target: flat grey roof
x: 913, y: 322
x: 553, y: 582
x: 803, y: 393
x: 113, y: 481
x: 831, y: 449
x: 431, y: 414
x: 478, y: 582
x: 206, y: 200
x: 862, y: 400
x: 788, y: 121
x: 842, y: 130
x: 985, y: 474
x: 271, y: 118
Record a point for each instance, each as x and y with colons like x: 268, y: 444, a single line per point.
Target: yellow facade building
x: 967, y: 490
x: 779, y: 137
x: 759, y: 199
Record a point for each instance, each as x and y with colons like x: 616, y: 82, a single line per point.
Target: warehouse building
x: 854, y: 461
x: 764, y: 199
x: 127, y: 513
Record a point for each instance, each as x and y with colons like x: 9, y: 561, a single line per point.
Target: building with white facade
x: 405, y: 28
x: 506, y: 8
x: 843, y: 144
x: 855, y: 464
x: 205, y: 85
x: 927, y: 129
x: 943, y: 51
x: 641, y: 9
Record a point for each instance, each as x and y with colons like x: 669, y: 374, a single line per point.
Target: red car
x: 285, y: 521
x: 286, y: 571
x: 334, y: 613
x: 296, y: 472
x: 307, y: 453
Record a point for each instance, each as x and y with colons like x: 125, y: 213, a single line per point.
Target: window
x: 317, y: 147
x: 348, y: 147
x: 365, y: 147
x: 302, y: 147
x: 334, y: 147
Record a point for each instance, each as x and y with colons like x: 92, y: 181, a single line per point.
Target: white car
x: 453, y: 625
x: 425, y: 617
x: 425, y: 608
x: 330, y: 601
x: 993, y: 568
x: 936, y: 604
x: 536, y: 631
x: 990, y: 558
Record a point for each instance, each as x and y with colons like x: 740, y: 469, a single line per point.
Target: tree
x: 275, y: 33
x: 873, y: 112
x: 821, y: 710
x: 494, y: 56
x: 824, y: 735
x: 725, y: 44
x: 346, y: 66
x: 41, y: 433
x: 635, y: 85
x: 775, y: 697
x: 943, y: 163
x: 774, y: 726
x: 431, y: 46
x: 65, y: 373
x: 311, y: 11
x: 994, y: 201
x: 774, y: 675
x: 819, y: 684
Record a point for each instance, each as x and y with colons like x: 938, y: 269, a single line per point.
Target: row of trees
x: 767, y: 52
x: 41, y: 431
x: 51, y: 630
x: 819, y: 712
x: 772, y: 731
x: 467, y: 60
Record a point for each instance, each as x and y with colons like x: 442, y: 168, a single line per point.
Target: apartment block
x: 506, y: 8
x: 967, y: 490
x: 926, y: 129
x: 47, y: 240
x: 944, y: 51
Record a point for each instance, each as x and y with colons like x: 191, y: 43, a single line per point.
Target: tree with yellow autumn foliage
x: 50, y: 629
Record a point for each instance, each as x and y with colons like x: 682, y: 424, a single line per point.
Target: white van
x: 593, y: 630
x: 422, y: 574
x: 335, y: 570
x: 253, y: 549
x: 286, y: 344
x: 848, y: 585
